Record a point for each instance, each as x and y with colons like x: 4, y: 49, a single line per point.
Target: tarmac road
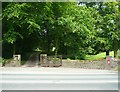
x: 35, y: 78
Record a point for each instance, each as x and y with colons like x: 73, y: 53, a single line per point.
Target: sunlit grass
x: 99, y: 56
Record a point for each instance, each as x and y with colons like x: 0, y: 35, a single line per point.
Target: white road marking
x: 9, y: 72
x: 57, y: 77
x: 59, y: 81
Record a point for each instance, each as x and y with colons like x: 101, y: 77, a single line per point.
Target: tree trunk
x: 107, y: 53
x: 115, y: 47
x: 48, y: 47
x: 56, y: 46
x: 56, y: 51
x: 14, y: 48
x: 115, y: 53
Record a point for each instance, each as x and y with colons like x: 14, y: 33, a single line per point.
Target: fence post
x: 17, y: 59
x: 43, y: 60
x: 61, y: 60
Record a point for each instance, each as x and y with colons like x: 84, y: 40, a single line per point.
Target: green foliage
x: 1, y: 60
x: 23, y: 62
x: 107, y: 26
x: 110, y: 31
x: 11, y: 36
x: 73, y: 30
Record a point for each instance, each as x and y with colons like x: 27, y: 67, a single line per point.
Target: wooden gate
x: 50, y: 61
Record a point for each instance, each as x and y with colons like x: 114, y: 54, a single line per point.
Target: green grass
x: 118, y: 54
x: 99, y: 56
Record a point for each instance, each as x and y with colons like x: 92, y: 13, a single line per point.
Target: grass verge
x: 99, y: 56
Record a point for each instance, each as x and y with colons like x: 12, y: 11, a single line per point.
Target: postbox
x: 108, y: 60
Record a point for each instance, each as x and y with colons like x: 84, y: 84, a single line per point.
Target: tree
x: 17, y: 18
x: 107, y: 26
x: 110, y: 31
x: 59, y: 25
x: 78, y: 25
x: 71, y: 29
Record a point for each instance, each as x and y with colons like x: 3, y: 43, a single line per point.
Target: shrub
x: 2, y: 61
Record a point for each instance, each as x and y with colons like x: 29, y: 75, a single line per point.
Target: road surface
x: 35, y: 78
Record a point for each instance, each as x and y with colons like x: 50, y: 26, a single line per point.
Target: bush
x: 2, y: 61
x: 23, y: 62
